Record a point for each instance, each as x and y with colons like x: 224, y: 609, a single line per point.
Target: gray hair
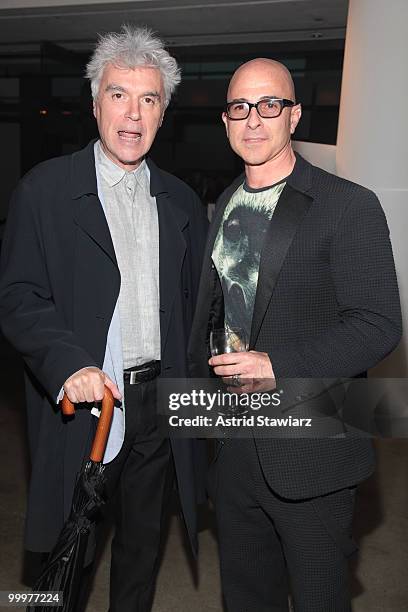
x: 130, y: 48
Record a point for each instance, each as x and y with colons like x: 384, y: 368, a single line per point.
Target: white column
x: 372, y: 141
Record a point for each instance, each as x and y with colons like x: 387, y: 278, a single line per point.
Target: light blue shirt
x: 131, y: 213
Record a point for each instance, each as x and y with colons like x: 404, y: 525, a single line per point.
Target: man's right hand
x: 88, y: 385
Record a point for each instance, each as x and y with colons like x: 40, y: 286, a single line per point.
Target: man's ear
x: 225, y: 120
x: 295, y: 115
x: 94, y: 108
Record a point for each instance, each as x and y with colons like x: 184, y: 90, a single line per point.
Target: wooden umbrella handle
x: 104, y: 423
x: 67, y: 407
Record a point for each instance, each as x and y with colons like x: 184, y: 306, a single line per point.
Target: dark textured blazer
x: 327, y: 305
x: 58, y: 289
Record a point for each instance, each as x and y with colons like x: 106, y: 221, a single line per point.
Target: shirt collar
x: 112, y: 173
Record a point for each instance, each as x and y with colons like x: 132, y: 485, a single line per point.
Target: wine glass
x: 228, y: 340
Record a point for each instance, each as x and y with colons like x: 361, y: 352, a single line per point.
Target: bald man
x: 300, y: 261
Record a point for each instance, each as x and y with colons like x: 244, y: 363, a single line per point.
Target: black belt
x: 142, y: 373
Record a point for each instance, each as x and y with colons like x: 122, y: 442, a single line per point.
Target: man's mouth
x: 129, y: 136
x: 254, y: 140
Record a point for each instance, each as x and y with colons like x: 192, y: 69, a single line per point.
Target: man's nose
x: 254, y: 119
x: 133, y: 110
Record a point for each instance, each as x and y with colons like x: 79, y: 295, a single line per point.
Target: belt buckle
x: 133, y: 376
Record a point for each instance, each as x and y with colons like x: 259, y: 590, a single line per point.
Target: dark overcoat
x: 59, y: 285
x: 327, y: 305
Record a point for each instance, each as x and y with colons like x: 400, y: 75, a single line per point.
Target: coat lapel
x: 172, y: 247
x: 288, y: 215
x: 89, y: 213
x: 91, y: 218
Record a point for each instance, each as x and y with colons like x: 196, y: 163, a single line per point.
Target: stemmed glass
x: 228, y: 340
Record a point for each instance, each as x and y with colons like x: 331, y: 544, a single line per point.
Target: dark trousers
x: 139, y: 480
x: 271, y: 546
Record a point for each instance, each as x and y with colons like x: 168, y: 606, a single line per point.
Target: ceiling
x: 74, y: 24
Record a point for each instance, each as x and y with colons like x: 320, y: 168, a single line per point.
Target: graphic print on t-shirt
x: 237, y: 250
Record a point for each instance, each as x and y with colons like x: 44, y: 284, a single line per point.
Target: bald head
x: 263, y: 70
x: 262, y: 138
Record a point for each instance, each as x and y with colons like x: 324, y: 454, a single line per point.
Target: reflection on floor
x: 381, y: 527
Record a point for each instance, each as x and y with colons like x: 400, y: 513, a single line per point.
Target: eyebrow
x: 114, y: 87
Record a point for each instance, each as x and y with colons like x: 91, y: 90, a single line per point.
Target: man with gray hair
x: 100, y: 263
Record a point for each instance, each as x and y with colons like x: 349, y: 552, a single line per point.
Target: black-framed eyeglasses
x: 267, y: 108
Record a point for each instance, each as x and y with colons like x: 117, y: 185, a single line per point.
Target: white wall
x: 372, y: 141
x: 321, y: 155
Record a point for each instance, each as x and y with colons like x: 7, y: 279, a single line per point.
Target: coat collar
x: 83, y: 175
x: 157, y: 185
x: 300, y: 179
x: 83, y: 182
x: 301, y: 176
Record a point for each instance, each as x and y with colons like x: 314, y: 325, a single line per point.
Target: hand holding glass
x: 228, y: 340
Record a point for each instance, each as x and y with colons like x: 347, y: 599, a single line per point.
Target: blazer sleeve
x: 368, y: 325
x: 28, y: 314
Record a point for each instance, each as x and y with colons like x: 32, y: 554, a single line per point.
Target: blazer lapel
x: 89, y: 213
x: 290, y: 211
x: 91, y: 218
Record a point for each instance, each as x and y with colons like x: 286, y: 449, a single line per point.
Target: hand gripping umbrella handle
x: 104, y: 423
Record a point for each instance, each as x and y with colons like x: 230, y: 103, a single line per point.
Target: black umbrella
x: 66, y: 561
